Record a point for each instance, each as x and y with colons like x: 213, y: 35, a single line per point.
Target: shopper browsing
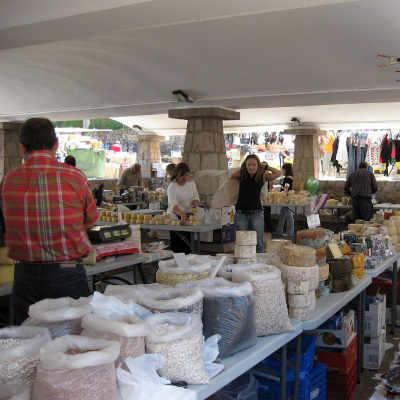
x: 132, y: 176
x: 361, y: 185
x: 47, y: 208
x: 286, y: 220
x: 182, y: 196
x: 249, y: 211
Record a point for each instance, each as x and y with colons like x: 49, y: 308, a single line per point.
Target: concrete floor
x: 367, y: 386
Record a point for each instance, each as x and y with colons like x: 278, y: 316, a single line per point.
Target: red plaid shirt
x: 47, y: 207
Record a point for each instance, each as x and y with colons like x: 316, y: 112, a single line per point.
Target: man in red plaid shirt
x: 47, y: 208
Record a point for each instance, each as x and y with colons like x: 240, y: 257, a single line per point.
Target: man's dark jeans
x: 362, y: 208
x: 35, y: 282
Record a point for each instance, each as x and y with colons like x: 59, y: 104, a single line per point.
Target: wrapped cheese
x: 246, y: 238
x: 301, y: 300
x: 315, y: 238
x: 275, y: 245
x: 298, y: 256
x: 298, y: 287
x: 245, y: 252
x: 298, y: 274
x: 323, y: 272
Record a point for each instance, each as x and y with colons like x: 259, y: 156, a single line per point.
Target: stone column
x: 306, y: 154
x: 148, y: 152
x: 204, y: 147
x: 9, y: 147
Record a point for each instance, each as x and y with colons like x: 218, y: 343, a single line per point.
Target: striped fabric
x: 47, y: 207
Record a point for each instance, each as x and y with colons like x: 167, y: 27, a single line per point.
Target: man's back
x: 47, y: 206
x: 361, y: 183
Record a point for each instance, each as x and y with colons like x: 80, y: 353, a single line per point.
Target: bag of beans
x: 178, y: 338
x: 61, y: 316
x: 228, y: 310
x: 19, y: 356
x: 113, y: 320
x: 77, y: 368
x: 269, y: 297
x: 188, y: 300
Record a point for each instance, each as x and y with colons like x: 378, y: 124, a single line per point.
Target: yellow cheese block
x: 6, y: 274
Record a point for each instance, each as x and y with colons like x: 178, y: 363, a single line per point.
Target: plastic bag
x: 78, y: 368
x: 114, y: 320
x: 172, y: 275
x: 140, y: 381
x: 61, y: 316
x: 19, y: 356
x: 228, y: 310
x: 269, y: 298
x: 175, y: 300
x: 243, y: 388
x: 131, y: 293
x: 178, y: 337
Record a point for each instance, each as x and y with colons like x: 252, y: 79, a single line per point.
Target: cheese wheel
x: 323, y: 272
x: 298, y: 287
x: 298, y: 256
x: 246, y: 238
x: 298, y: 274
x: 302, y: 300
x: 245, y: 251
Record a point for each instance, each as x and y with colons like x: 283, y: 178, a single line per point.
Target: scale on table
x: 109, y: 233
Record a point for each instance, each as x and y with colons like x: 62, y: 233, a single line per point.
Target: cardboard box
x: 374, y: 351
x: 375, y: 316
x: 337, y: 338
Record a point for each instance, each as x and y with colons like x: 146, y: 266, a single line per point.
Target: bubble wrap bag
x: 19, y: 356
x: 189, y: 300
x: 269, y: 298
x: 178, y: 338
x: 229, y: 312
x: 61, y: 316
x: 77, y: 368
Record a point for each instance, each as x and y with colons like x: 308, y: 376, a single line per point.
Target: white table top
x: 241, y: 362
x: 388, y: 263
x: 327, y: 306
x: 182, y: 228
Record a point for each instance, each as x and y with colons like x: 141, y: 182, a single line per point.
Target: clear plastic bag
x: 131, y: 293
x: 269, y: 298
x: 114, y: 320
x: 78, y: 368
x: 243, y: 388
x: 178, y: 337
x: 61, y: 316
x: 19, y: 356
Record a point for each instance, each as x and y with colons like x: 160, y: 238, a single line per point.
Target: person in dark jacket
x: 361, y: 185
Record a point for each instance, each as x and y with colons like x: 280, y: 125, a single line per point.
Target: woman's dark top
x: 249, y: 195
x: 287, y: 181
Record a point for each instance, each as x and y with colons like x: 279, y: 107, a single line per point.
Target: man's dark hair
x: 70, y: 160
x: 363, y: 165
x: 38, y: 134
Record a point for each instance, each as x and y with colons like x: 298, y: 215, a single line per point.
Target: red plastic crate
x: 342, y: 386
x: 383, y: 286
x: 341, y: 361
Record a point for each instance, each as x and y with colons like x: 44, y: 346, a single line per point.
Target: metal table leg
x: 93, y: 283
x: 283, y: 377
x: 297, y: 367
x: 394, y: 298
x: 360, y: 333
x: 141, y: 273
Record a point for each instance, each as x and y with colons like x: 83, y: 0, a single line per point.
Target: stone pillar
x: 148, y: 152
x: 9, y: 147
x: 306, y: 154
x: 204, y: 147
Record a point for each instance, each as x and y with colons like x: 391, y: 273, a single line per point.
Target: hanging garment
x: 386, y: 150
x: 397, y: 149
x: 342, y: 155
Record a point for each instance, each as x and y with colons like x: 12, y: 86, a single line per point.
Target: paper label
x: 313, y: 221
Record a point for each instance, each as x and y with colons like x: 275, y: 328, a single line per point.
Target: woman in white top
x: 182, y: 196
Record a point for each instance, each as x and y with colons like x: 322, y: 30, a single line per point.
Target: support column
x: 148, y: 152
x: 306, y: 154
x: 204, y: 147
x: 9, y: 147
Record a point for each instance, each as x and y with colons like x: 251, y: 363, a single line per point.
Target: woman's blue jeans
x: 253, y: 221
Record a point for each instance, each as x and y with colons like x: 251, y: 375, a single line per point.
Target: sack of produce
x: 300, y: 280
x: 114, y: 320
x: 298, y: 256
x: 269, y: 297
x: 19, y: 356
x: 77, y: 368
x: 188, y: 300
x: 315, y: 238
x: 228, y: 310
x: 61, y: 316
x: 178, y: 338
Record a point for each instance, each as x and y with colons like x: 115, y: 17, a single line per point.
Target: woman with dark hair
x: 249, y: 212
x: 182, y: 196
x: 286, y: 219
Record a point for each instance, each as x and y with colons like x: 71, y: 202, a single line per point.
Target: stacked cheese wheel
x: 245, y: 247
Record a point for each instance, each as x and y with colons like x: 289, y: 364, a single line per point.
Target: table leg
x: 394, y: 298
x: 192, y: 242
x: 283, y: 377
x: 360, y: 333
x: 133, y: 275
x: 198, y: 242
x: 297, y: 367
x: 93, y: 283
x: 141, y: 272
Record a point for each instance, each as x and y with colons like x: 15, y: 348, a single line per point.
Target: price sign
x: 313, y: 221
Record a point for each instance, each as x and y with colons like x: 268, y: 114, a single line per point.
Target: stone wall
x: 9, y: 147
x: 148, y: 153
x: 388, y: 191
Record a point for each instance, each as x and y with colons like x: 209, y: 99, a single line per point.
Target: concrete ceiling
x: 118, y: 57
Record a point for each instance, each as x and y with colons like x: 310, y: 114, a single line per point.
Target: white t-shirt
x: 182, y: 196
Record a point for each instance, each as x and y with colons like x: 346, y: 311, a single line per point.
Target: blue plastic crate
x: 308, y: 347
x: 312, y: 386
